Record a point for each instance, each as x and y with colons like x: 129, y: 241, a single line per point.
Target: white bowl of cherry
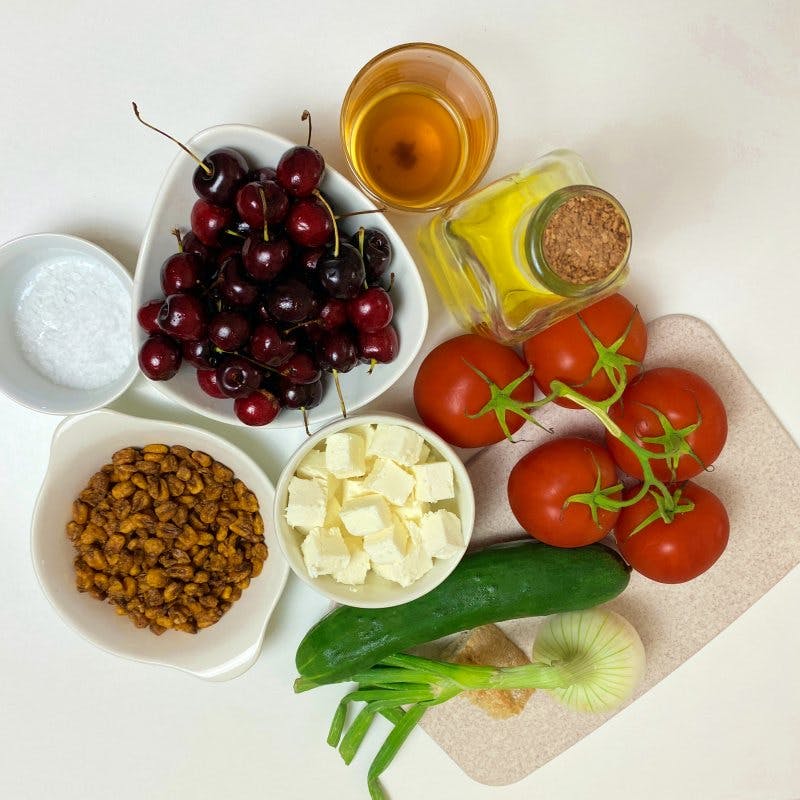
x: 268, y: 296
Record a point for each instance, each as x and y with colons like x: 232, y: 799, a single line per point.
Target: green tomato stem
x: 600, y: 410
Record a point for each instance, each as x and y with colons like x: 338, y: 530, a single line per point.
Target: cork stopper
x: 586, y: 238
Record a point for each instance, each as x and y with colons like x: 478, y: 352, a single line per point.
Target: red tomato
x: 686, y: 400
x: 677, y: 551
x: 543, y: 480
x: 447, y: 390
x: 565, y: 352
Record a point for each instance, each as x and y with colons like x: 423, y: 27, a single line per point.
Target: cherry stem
x: 335, y: 373
x: 302, y: 325
x: 201, y: 163
x: 391, y: 282
x: 306, y: 115
x: 251, y: 360
x: 372, y: 363
x: 264, y: 206
x: 177, y: 234
x: 361, y: 235
x: 324, y: 202
x: 234, y: 233
x: 359, y: 213
x: 305, y: 420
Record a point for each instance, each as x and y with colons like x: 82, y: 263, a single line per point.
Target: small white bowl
x: 172, y: 207
x: 376, y: 592
x: 20, y: 259
x: 81, y: 446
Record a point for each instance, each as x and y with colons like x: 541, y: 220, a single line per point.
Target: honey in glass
x: 419, y: 127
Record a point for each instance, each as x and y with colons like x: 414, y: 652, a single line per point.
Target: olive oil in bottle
x: 486, y: 255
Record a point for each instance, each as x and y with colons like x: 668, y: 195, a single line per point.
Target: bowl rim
x: 420, y: 299
x: 237, y: 663
x: 409, y: 593
x: 106, y: 259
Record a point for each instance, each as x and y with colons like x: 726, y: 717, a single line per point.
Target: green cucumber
x: 521, y: 579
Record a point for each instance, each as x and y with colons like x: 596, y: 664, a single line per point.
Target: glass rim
x: 485, y: 90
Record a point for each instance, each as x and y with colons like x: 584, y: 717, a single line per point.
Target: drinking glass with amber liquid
x: 419, y: 127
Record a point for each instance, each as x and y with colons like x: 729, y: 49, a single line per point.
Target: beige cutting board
x: 673, y: 621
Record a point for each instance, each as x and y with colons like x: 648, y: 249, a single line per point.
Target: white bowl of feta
x: 374, y: 510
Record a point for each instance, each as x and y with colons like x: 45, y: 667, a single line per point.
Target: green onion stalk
x: 588, y: 660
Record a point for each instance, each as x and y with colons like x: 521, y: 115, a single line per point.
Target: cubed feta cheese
x: 344, y: 455
x: 412, y: 510
x: 365, y: 515
x: 307, y: 503
x: 396, y: 442
x: 434, y: 481
x: 414, y: 564
x: 387, y: 546
x: 424, y: 453
x: 332, y: 513
x: 365, y: 431
x: 324, y: 552
x: 355, y: 573
x: 313, y: 465
x: 352, y: 487
x: 441, y: 533
x: 393, y: 482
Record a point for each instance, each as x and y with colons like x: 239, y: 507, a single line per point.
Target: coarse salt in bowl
x: 65, y: 343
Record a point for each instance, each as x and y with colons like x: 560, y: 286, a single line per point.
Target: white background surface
x: 688, y: 111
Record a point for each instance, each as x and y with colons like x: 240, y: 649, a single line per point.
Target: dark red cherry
x: 257, y: 408
x: 306, y: 263
x: 207, y: 380
x: 159, y: 357
x: 234, y: 285
x: 381, y: 346
x: 191, y: 244
x: 236, y: 376
x: 265, y: 260
x: 309, y: 223
x: 342, y: 276
x: 209, y: 222
x: 252, y: 209
x: 260, y: 174
x: 227, y: 170
x: 181, y: 272
x: 333, y: 314
x: 146, y: 316
x: 337, y: 351
x: 228, y: 330
x: 300, y: 368
x: 269, y: 347
x: 377, y: 252
x: 291, y: 301
x: 183, y: 316
x: 233, y: 248
x: 218, y: 175
x: 371, y: 310
x: 201, y: 354
x: 300, y: 170
x: 301, y: 395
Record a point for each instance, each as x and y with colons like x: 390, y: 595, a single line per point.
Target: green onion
x: 589, y: 660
